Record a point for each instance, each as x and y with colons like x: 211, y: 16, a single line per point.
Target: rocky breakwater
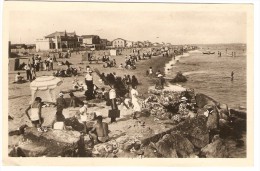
x: 52, y: 143
x: 160, y: 130
x: 199, y: 133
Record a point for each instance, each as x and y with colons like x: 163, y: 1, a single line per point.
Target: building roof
x: 89, y: 36
x: 118, y: 38
x: 61, y: 34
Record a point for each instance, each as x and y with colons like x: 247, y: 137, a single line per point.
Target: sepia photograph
x: 136, y: 81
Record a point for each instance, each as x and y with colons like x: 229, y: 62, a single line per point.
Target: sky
x: 176, y: 27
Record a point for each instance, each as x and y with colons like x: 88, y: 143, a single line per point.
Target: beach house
x: 91, y: 41
x: 119, y: 42
x: 58, y: 41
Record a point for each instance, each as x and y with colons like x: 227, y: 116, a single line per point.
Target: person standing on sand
x: 35, y: 117
x: 136, y: 106
x: 28, y: 72
x: 112, y: 98
x: 61, y: 104
x: 232, y: 76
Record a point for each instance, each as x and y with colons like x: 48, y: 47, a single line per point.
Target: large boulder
x: 223, y: 111
x: 173, y: 145
x: 202, y: 100
x: 216, y: 149
x: 52, y: 143
x: 195, y: 130
x: 213, y: 119
x: 151, y: 151
x: 165, y: 147
x: 183, y: 146
x: 179, y: 78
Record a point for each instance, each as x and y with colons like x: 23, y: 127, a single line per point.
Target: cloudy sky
x: 177, y: 27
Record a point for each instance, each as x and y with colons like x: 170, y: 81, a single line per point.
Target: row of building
x: 66, y: 40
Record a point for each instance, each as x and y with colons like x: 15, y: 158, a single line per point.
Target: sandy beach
x: 19, y: 100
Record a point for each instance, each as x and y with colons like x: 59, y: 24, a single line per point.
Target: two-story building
x: 57, y: 40
x: 119, y: 43
x: 103, y: 44
x: 92, y: 41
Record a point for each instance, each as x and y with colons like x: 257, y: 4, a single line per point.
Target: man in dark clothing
x: 61, y: 104
x: 75, y: 101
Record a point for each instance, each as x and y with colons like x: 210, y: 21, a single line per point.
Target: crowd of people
x: 122, y: 90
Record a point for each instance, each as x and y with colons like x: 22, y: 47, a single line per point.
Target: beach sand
x: 20, y: 94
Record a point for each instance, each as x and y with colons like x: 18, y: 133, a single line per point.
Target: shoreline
x: 157, y: 62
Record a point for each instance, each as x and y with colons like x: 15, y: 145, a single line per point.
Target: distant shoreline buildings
x: 70, y: 40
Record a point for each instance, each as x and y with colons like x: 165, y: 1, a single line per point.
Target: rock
x: 238, y: 126
x: 183, y: 146
x: 16, y: 152
x: 128, y: 146
x: 195, y: 130
x: 165, y: 147
x: 74, y: 123
x: 202, y: 100
x: 178, y: 78
x: 216, y: 149
x: 238, y: 113
x: 51, y: 144
x: 225, y: 128
x: 150, y: 151
x: 223, y: 111
x: 213, y: 119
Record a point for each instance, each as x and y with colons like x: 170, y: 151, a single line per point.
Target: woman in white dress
x: 136, y: 106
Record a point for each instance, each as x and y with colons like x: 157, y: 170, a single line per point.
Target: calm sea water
x: 211, y: 75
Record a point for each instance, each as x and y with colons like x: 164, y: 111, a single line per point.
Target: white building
x: 119, y: 42
x: 129, y: 43
x: 57, y: 40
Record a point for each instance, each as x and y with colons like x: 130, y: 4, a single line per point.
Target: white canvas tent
x: 45, y: 87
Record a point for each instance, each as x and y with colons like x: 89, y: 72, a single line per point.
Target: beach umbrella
x: 45, y: 87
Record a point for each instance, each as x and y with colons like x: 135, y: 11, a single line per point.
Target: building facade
x: 103, y: 44
x: 119, y: 43
x: 92, y: 41
x: 129, y: 43
x: 58, y: 41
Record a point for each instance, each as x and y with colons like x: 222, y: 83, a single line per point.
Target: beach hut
x: 113, y: 52
x: 45, y: 87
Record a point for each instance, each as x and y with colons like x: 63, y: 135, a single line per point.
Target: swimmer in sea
x: 232, y: 76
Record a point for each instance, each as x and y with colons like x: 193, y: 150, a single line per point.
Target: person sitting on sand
x: 75, y: 101
x: 19, y: 78
x: 83, y: 116
x: 99, y: 133
x: 76, y: 85
x: 121, y: 66
x: 158, y: 72
x: 35, y: 116
x: 134, y: 81
x: 150, y: 71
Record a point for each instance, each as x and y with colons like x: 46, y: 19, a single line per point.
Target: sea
x: 211, y: 74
